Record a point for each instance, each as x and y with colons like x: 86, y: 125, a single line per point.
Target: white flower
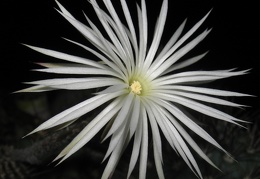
x: 140, y: 87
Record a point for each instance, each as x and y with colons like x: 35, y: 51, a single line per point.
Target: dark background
x: 233, y: 43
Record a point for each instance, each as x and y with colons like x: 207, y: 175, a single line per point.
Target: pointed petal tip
x: 15, y: 92
x: 57, y: 2
x: 34, y: 131
x: 27, y: 45
x: 21, y: 91
x: 59, y: 157
x: 25, y: 90
x: 56, y: 159
x: 57, y: 10
x: 209, y: 11
x: 23, y: 44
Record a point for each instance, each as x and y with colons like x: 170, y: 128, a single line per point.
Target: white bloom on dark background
x: 139, y: 86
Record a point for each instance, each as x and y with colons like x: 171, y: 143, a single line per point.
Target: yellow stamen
x: 136, y: 87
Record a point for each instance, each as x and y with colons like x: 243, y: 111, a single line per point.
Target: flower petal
x: 37, y: 89
x: 170, y: 43
x: 184, y: 149
x: 185, y: 63
x: 130, y: 25
x: 121, y: 33
x: 77, y: 83
x: 196, y: 76
x: 112, y: 65
x: 144, y: 145
x: 66, y: 57
x: 202, y: 108
x: 167, y: 63
x: 179, y: 43
x: 136, y: 147
x: 90, y: 130
x: 187, y: 137
x: 75, y: 111
x: 122, y: 115
x: 199, y: 97
x: 135, y: 116
x: 209, y: 91
x: 154, y: 127
x: 115, y: 156
x: 157, y: 35
x: 188, y: 122
x: 143, y: 32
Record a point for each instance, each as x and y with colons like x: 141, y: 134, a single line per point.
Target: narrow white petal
x: 114, y: 141
x: 143, y: 32
x: 121, y: 30
x: 135, y: 116
x: 196, y: 76
x: 121, y: 117
x: 119, y: 49
x: 101, y: 57
x: 79, y: 70
x: 188, y: 122
x: 118, y: 142
x: 202, y: 108
x: 77, y: 83
x: 209, y: 91
x: 186, y: 151
x: 179, y: 143
x: 76, y: 111
x: 90, y: 130
x: 176, y: 139
x: 114, y: 158
x: 136, y: 147
x: 116, y: 45
x: 189, y: 33
x: 114, y: 88
x: 85, y: 31
x: 144, y: 146
x: 119, y: 134
x: 165, y: 64
x: 157, y: 35
x: 58, y: 65
x: 155, y: 131
x: 171, y: 42
x: 66, y: 57
x: 158, y: 162
x: 220, y: 73
x: 188, y: 80
x: 62, y: 81
x: 187, y: 137
x: 157, y: 145
x: 36, y: 89
x: 199, y: 97
x: 164, y: 127
x: 64, y: 10
x: 130, y: 25
x: 87, y: 108
x: 185, y: 63
x: 179, y: 43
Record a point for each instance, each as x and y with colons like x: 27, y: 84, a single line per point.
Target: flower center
x: 136, y: 87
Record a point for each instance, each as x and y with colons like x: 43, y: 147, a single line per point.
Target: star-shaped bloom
x: 140, y: 88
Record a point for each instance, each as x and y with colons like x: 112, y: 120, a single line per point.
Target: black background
x: 232, y: 43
